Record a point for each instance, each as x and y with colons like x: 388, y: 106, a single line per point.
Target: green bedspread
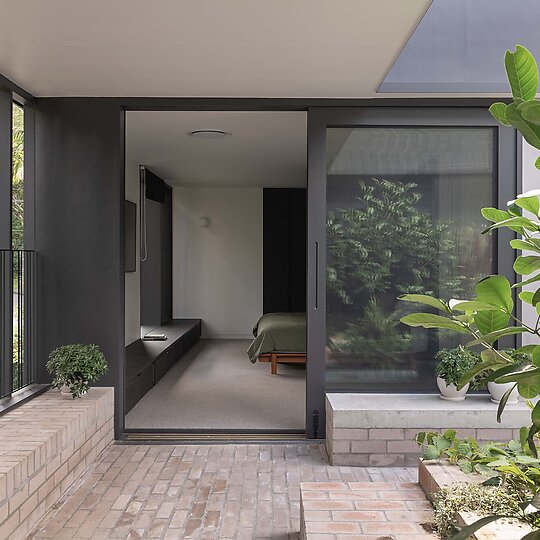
x: 278, y: 332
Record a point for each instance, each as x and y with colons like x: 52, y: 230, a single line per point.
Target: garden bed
x: 434, y: 475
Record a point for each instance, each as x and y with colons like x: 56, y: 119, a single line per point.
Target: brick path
x: 203, y: 491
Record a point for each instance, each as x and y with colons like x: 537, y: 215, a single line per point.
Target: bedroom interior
x: 216, y: 262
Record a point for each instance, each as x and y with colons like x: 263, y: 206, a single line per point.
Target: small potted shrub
x: 74, y: 367
x: 452, y: 364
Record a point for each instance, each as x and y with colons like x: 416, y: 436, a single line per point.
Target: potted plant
x: 498, y: 390
x: 452, y: 364
x: 75, y: 367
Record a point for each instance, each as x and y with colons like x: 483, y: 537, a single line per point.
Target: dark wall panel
x: 284, y: 250
x: 276, y: 248
x: 79, y: 212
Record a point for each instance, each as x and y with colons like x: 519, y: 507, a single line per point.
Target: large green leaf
x: 487, y: 363
x: 528, y: 376
x: 429, y: 320
x: 490, y: 321
x: 424, y: 299
x: 530, y: 111
x: 494, y: 214
x: 535, y: 415
x: 530, y: 132
x: 531, y: 204
x: 527, y: 264
x: 495, y: 290
x: 516, y: 222
x: 494, y: 336
x: 498, y: 111
x: 528, y: 391
x: 537, y: 162
x: 522, y: 73
x: 503, y: 402
x: 524, y: 245
x: 466, y: 532
x: 473, y: 305
x: 527, y: 282
x: 536, y: 356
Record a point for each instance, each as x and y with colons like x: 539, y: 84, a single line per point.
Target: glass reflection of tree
x: 379, y: 248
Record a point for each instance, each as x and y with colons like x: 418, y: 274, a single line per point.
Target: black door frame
x: 318, y: 111
x: 321, y: 118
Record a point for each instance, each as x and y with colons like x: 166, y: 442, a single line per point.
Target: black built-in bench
x: 148, y: 361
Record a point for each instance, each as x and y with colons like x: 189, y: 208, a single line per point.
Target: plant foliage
x: 379, y: 247
x: 76, y: 366
x: 491, y: 314
x: 452, y: 364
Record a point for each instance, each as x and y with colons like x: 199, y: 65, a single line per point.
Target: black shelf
x: 148, y: 361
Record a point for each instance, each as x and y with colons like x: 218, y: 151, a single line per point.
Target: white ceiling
x: 266, y: 149
x: 209, y: 48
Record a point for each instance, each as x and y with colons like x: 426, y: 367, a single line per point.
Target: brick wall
x: 379, y: 430
x: 45, y: 444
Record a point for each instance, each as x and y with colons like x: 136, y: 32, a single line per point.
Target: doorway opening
x: 215, y: 264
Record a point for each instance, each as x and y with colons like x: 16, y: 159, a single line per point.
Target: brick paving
x: 368, y: 510
x: 219, y: 491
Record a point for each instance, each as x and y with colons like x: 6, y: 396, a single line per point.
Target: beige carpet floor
x: 215, y: 386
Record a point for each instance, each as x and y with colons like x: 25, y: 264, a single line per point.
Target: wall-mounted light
x: 209, y: 134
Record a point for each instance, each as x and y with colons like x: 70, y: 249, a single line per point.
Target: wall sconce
x: 204, y: 222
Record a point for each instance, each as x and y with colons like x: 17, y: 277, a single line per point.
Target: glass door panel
x: 402, y: 216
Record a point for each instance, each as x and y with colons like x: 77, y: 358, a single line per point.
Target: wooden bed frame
x: 274, y: 358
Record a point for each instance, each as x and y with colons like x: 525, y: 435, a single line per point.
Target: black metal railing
x: 17, y: 319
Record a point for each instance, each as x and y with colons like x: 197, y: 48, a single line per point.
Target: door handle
x: 316, y: 275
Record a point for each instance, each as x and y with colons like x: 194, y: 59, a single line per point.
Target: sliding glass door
x: 394, y: 207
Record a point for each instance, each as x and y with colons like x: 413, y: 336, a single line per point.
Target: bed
x: 279, y: 337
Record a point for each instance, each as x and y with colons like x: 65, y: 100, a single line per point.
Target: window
x: 403, y: 216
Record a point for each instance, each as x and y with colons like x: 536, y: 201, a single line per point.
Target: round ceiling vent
x: 209, y: 134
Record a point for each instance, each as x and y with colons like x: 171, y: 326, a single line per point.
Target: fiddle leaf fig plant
x: 491, y: 314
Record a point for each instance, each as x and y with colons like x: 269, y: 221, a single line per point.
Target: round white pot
x: 64, y: 390
x: 497, y: 391
x: 450, y: 392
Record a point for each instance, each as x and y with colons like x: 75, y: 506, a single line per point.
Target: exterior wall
x: 530, y: 177
x: 132, y: 283
x: 78, y: 214
x: 217, y: 270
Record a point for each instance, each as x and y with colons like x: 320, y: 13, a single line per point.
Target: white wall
x: 132, y: 279
x: 531, y: 180
x: 217, y: 271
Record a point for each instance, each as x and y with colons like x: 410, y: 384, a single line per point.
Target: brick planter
x: 433, y: 475
x: 378, y: 430
x: 45, y: 445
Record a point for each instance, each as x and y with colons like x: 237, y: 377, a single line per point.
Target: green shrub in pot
x: 452, y: 364
x: 76, y: 366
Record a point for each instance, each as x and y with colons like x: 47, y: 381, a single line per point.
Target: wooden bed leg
x: 274, y: 364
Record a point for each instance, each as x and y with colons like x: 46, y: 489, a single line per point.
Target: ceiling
x: 265, y: 149
x: 204, y: 48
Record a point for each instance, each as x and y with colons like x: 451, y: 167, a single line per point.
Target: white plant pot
x: 450, y: 392
x: 64, y: 390
x: 497, y: 391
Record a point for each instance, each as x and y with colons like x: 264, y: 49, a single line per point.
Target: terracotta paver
x: 223, y: 491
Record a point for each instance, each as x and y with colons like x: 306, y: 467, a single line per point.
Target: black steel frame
x: 319, y: 120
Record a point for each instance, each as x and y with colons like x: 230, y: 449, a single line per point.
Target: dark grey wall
x: 79, y: 211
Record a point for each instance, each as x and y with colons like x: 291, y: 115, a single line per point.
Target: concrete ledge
x: 433, y: 475
x: 379, y: 429
x: 45, y: 444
